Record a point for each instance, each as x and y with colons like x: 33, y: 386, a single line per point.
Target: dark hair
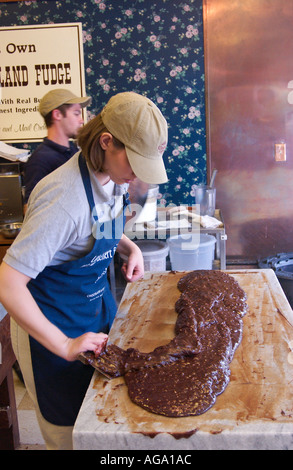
x: 63, y: 110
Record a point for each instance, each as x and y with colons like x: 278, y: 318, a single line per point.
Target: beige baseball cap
x: 139, y: 124
x: 55, y: 98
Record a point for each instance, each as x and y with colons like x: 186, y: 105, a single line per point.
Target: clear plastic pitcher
x: 205, y: 196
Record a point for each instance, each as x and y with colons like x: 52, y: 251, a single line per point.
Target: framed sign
x: 34, y: 60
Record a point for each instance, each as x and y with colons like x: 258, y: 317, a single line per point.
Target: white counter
x: 254, y: 412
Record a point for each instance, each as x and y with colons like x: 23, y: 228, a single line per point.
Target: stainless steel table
x: 154, y: 231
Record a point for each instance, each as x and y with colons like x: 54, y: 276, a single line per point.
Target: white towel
x: 13, y: 154
x: 169, y: 224
x: 205, y: 221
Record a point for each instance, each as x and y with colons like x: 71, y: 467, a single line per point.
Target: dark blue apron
x: 76, y: 297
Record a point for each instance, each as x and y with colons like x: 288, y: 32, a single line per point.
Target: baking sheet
x: 255, y: 410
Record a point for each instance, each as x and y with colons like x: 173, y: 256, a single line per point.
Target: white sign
x: 34, y: 60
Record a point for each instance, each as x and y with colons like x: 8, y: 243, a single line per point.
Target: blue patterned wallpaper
x: 153, y: 48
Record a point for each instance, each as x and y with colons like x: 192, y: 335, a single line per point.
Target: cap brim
x: 82, y: 101
x: 148, y: 170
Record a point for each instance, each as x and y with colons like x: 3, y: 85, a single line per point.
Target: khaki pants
x: 55, y: 437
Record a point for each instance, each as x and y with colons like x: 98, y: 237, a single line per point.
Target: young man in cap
x: 62, y: 112
x: 53, y: 279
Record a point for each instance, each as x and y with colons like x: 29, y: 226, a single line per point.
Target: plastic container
x: 154, y: 254
x: 149, y: 210
x: 205, y: 196
x: 191, y: 251
x: 282, y: 264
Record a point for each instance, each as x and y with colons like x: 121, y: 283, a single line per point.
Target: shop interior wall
x: 249, y: 73
x: 153, y: 48
x: 240, y: 58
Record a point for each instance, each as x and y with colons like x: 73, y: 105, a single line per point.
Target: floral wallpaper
x: 153, y: 48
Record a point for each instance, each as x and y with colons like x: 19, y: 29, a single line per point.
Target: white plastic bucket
x: 154, y: 254
x: 191, y: 251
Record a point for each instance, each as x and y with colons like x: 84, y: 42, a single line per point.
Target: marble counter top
x: 254, y: 412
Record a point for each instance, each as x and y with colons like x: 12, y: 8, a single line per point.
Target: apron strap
x: 87, y: 183
x: 88, y: 187
x: 126, y: 200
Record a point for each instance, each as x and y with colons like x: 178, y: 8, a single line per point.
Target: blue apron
x: 76, y: 297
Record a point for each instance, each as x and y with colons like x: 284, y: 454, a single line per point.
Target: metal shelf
x: 151, y: 231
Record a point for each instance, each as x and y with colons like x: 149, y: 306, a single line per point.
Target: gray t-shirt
x: 58, y: 223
